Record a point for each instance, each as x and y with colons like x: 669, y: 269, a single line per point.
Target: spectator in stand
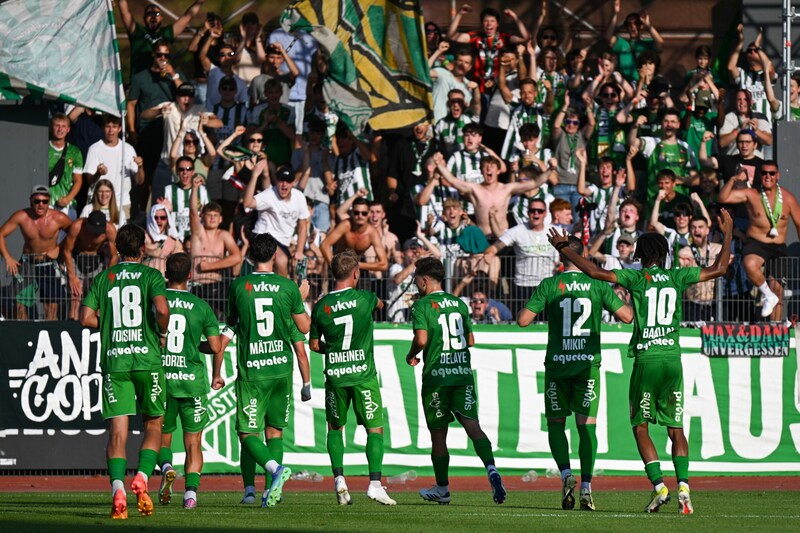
x: 728, y: 166
x: 607, y: 73
x: 302, y: 49
x: 87, y: 250
x: 751, y: 77
x: 401, y: 290
x: 630, y: 211
x: 699, y: 299
x: 744, y: 118
x: 497, y: 111
x: 103, y: 161
x: 608, y: 139
x: 486, y: 310
x: 250, y: 53
x: 321, y: 110
x: 487, y: 43
x: 534, y: 260
x: 104, y: 199
x: 656, y: 98
x: 348, y: 171
x: 40, y: 226
x: 276, y: 122
x: 450, y: 128
x: 64, y: 167
x: 526, y: 112
x: 551, y: 84
x: 549, y: 35
x: 307, y: 162
x: 521, y: 202
x: 670, y: 199
x: 678, y: 236
x: 176, y: 197
x: 570, y: 139
x: 377, y: 219
x: 561, y: 215
x: 271, y: 69
x: 144, y: 37
x: 237, y: 176
x: 602, y: 196
x: 698, y: 118
x: 445, y: 81
x: 626, y: 245
x: 358, y: 235
x: 197, y: 146
x: 161, y: 238
x: 227, y: 63
x: 198, y: 41
x: 149, y: 88
x: 431, y: 196
x: 465, y: 164
x: 433, y: 36
x: 627, y: 49
x: 282, y: 212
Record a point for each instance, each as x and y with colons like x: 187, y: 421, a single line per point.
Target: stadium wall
x: 742, y: 414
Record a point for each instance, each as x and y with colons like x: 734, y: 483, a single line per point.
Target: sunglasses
x: 185, y: 169
x: 610, y: 95
x: 752, y: 50
x: 255, y: 140
x: 40, y: 201
x: 153, y: 13
x: 189, y: 141
x: 162, y: 54
x: 459, y: 102
x: 227, y: 88
x: 769, y: 172
x: 360, y: 213
x: 549, y: 37
x: 228, y: 54
x: 571, y: 122
x: 536, y: 211
x: 161, y: 217
x: 478, y: 301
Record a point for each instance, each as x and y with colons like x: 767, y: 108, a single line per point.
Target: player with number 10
x: 656, y: 390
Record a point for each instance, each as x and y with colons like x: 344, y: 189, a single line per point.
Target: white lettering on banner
x: 743, y: 442
x: 73, y: 392
x: 488, y: 364
x: 394, y: 405
x: 702, y: 405
x: 530, y: 363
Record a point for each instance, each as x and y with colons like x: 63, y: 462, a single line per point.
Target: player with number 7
x: 656, y: 389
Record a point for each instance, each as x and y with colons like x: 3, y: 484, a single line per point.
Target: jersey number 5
x: 264, y: 316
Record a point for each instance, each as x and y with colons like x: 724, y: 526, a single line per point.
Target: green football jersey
x: 446, y: 354
x: 574, y: 304
x: 343, y: 319
x: 261, y: 306
x: 184, y: 365
x: 656, y: 294
x: 123, y: 297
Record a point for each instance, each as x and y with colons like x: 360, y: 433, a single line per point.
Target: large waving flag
x: 378, y: 68
x: 65, y: 49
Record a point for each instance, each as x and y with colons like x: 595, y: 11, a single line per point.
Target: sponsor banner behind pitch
x: 742, y: 415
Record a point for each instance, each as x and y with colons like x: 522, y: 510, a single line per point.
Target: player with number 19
x: 187, y: 377
x: 341, y: 330
x: 443, y: 332
x: 127, y: 302
x: 656, y: 389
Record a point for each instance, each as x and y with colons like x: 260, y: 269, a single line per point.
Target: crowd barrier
x: 742, y: 413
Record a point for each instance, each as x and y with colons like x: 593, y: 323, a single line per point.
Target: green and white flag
x: 59, y: 49
x: 377, y: 62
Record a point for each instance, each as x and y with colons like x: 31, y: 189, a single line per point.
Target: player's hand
x: 217, y: 382
x: 305, y: 392
x: 556, y: 237
x: 304, y: 289
x: 412, y: 361
x: 725, y: 221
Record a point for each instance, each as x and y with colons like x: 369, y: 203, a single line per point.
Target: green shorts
x: 441, y: 403
x: 656, y: 393
x: 366, y: 400
x: 123, y: 392
x: 192, y: 412
x: 263, y: 403
x: 574, y: 394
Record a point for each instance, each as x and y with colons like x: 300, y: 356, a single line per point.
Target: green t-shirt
x: 184, y: 365
x: 677, y: 157
x: 574, y: 302
x: 73, y: 164
x: 627, y: 51
x: 656, y: 294
x: 261, y: 306
x: 446, y: 354
x: 142, y: 45
x: 123, y: 297
x: 343, y: 319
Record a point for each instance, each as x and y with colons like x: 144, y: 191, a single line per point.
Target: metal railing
x: 41, y: 290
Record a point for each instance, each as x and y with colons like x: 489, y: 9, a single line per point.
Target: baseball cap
x: 187, y: 89
x: 627, y: 239
x: 413, y: 242
x: 96, y: 222
x: 40, y: 189
x: 284, y: 173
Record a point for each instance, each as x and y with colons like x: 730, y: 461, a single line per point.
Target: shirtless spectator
x: 161, y: 238
x: 357, y: 234
x: 769, y: 211
x: 491, y: 194
x: 213, y: 251
x: 377, y: 219
x: 39, y: 226
x: 87, y: 250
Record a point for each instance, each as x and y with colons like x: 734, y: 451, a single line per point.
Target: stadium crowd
x: 529, y: 130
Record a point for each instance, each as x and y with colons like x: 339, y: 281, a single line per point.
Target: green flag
x: 378, y: 65
x: 64, y: 50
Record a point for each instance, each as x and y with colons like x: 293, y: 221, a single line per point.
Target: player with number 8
x: 656, y: 389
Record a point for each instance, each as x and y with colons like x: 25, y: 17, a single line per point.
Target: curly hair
x: 651, y: 249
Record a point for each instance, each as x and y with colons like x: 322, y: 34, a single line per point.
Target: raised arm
x: 179, y: 25
x: 250, y: 193
x: 560, y: 242
x: 127, y: 18
x: 720, y: 265
x: 659, y: 227
x: 648, y: 26
x: 698, y: 203
x: 612, y: 26
x: 343, y: 211
x: 233, y: 258
x: 583, y: 190
x: 733, y: 60
x: 521, y: 29
x: 464, y: 187
x: 452, y: 32
x: 338, y: 231
x: 729, y: 195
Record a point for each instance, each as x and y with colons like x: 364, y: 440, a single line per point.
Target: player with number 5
x: 128, y: 303
x: 656, y: 389
x: 443, y: 332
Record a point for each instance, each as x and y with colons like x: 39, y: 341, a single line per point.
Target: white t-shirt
x: 278, y: 217
x: 443, y: 84
x: 174, y: 120
x: 536, y: 257
x: 118, y: 174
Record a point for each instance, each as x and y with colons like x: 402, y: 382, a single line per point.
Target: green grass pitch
x: 318, y: 511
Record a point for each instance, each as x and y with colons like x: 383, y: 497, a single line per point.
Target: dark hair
x: 769, y: 163
x: 671, y: 111
x: 373, y: 203
x: 179, y: 266
x: 702, y: 51
x: 529, y: 131
x: 607, y: 159
x: 666, y: 173
x: 683, y: 209
x: 111, y: 119
x: 610, y: 85
x: 184, y: 158
x: 262, y: 247
x: 634, y: 202
x: 130, y: 239
x: 212, y: 206
x: 490, y: 12
x: 343, y: 265
x: 651, y: 249
x: 701, y: 218
x: 472, y: 127
x: 648, y: 56
x: 342, y: 131
x: 317, y: 125
x: 360, y: 201
x: 527, y: 81
x: 430, y: 267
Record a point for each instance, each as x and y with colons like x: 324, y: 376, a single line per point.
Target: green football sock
x: 276, y: 449
x: 653, y: 470
x: 116, y: 468
x: 587, y: 450
x: 258, y: 450
x: 147, y: 461
x: 441, y: 464
x: 336, y: 450
x: 248, y: 467
x: 681, y: 463
x: 164, y: 457
x: 193, y: 481
x: 483, y: 447
x: 375, y: 455
x: 559, y: 445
